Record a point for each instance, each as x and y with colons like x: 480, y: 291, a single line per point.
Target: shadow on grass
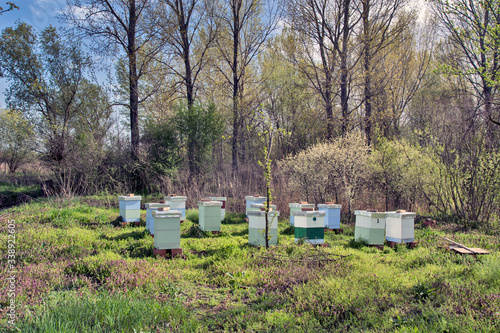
x: 134, y: 234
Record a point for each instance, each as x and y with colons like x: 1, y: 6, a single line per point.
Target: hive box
x: 370, y: 227
x: 223, y: 207
x: 177, y: 202
x: 294, y: 207
x: 257, y: 228
x: 332, y: 215
x: 400, y: 227
x: 167, y: 229
x: 258, y: 207
x: 130, y: 208
x: 150, y: 208
x: 253, y: 200
x: 209, y: 215
x: 311, y: 225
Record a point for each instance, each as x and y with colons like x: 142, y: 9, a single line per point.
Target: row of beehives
x: 163, y: 220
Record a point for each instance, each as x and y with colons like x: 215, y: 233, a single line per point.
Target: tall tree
x: 473, y: 30
x: 129, y: 25
x: 324, y: 29
x: 46, y: 75
x: 189, y: 34
x: 245, y: 25
x: 377, y: 32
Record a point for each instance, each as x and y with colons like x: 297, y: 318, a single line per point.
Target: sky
x: 37, y: 13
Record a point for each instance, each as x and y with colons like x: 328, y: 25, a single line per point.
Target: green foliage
x: 199, y: 127
x: 16, y: 139
x: 193, y: 215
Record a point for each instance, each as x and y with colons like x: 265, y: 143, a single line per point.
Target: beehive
x: 400, y: 227
x: 223, y: 207
x: 370, y: 227
x: 167, y: 229
x: 130, y: 208
x: 253, y: 200
x: 257, y: 227
x: 150, y: 208
x: 209, y: 215
x: 255, y: 207
x: 177, y: 202
x: 332, y: 215
x: 311, y: 225
x: 294, y: 207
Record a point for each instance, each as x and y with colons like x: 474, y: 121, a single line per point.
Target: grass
x: 78, y: 272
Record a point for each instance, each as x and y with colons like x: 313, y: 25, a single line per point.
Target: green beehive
x: 177, y: 202
x: 370, y: 227
x: 130, y: 208
x: 310, y: 225
x: 167, y: 229
x: 209, y: 215
x: 295, y: 207
x: 257, y: 227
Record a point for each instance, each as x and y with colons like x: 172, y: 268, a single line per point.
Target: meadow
x: 79, y: 271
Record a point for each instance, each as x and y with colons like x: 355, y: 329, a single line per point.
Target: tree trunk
x: 367, y: 69
x: 133, y: 81
x: 236, y: 40
x: 344, y: 96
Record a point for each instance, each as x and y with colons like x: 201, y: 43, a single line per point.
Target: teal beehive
x: 130, y: 208
x: 257, y: 227
x: 370, y: 227
x: 310, y: 225
x: 167, y: 229
x: 209, y: 215
x: 223, y: 207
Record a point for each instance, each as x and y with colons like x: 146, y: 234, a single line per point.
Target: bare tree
x: 114, y: 24
x: 245, y: 25
x: 378, y: 31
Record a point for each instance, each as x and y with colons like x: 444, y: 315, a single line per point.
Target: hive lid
x: 329, y: 205
x: 175, y: 198
x: 399, y: 215
x: 156, y: 205
x: 167, y: 213
x: 259, y: 206
x: 309, y: 213
x: 217, y: 198
x: 370, y: 213
x: 209, y: 203
x: 300, y: 205
x: 130, y: 197
x: 255, y: 198
x: 262, y: 213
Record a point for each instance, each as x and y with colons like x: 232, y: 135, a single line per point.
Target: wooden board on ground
x: 465, y: 251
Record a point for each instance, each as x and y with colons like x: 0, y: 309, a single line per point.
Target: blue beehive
x: 332, y: 215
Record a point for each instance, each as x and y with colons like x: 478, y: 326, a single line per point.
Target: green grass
x: 79, y: 272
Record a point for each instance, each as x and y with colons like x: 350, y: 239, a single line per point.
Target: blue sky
x: 37, y: 13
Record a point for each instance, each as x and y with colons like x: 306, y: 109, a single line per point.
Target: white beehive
x: 177, y: 202
x: 223, y: 208
x: 370, y: 227
x: 400, y: 227
x: 130, y: 208
x: 253, y: 200
x: 257, y: 227
x: 150, y: 208
x: 295, y: 207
